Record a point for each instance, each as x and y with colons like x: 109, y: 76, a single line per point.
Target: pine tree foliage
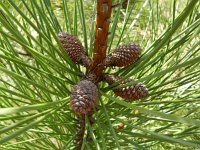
x: 36, y: 76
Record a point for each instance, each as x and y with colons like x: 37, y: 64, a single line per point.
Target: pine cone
x: 74, y: 48
x: 123, y: 55
x: 84, y: 97
x: 133, y: 92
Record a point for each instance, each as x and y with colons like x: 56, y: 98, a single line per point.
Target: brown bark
x: 80, y: 132
x: 101, y: 35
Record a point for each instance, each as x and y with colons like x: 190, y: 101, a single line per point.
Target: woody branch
x: 101, y: 35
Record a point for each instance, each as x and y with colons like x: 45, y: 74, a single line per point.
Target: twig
x: 80, y: 132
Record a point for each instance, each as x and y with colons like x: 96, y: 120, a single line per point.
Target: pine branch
x: 101, y: 35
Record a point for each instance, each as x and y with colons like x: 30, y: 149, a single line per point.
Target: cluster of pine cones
x: 85, y: 94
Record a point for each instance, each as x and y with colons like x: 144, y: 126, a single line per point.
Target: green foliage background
x: 36, y: 75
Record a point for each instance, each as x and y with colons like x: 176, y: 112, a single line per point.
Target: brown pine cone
x: 74, y: 48
x: 84, y: 97
x: 123, y: 55
x: 133, y: 92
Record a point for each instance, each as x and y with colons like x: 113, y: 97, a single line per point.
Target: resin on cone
x: 133, y: 92
x: 74, y: 48
x: 84, y: 97
x: 123, y: 55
